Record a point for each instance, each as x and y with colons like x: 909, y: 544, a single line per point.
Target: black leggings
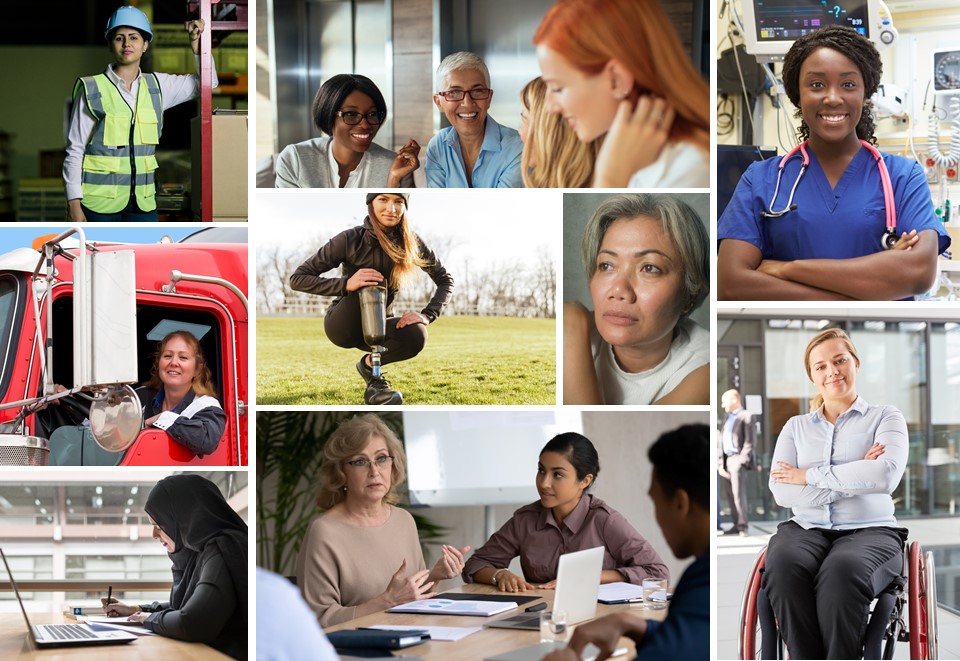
x: 343, y: 328
x: 821, y: 582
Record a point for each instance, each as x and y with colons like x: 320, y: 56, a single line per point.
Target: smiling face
x: 373, y: 482
x: 356, y: 138
x: 586, y: 102
x: 389, y: 209
x: 557, y: 482
x: 467, y: 116
x: 127, y: 45
x: 177, y: 366
x: 637, y: 289
x: 831, y: 96
x: 833, y: 370
x: 165, y: 540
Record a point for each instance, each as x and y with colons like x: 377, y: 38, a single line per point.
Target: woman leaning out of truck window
x: 180, y: 397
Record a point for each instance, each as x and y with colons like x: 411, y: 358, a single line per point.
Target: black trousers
x: 734, y: 478
x: 821, y: 582
x: 343, y: 328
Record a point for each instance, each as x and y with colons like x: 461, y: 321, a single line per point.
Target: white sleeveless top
x: 690, y: 349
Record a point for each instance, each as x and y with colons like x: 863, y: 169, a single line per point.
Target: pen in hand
x: 109, y: 598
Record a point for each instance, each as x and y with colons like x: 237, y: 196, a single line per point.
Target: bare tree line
x: 510, y: 289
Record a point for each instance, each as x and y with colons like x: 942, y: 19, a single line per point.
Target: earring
x: 621, y: 95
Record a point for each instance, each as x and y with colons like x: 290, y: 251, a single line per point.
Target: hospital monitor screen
x: 771, y: 26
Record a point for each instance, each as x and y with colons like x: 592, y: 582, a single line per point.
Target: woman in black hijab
x: 207, y: 542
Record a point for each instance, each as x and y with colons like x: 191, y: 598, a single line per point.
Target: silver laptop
x: 578, y: 583
x: 67, y: 635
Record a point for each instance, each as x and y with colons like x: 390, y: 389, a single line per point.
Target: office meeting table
x: 486, y: 642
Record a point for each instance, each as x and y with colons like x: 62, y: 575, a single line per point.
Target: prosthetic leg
x: 373, y: 320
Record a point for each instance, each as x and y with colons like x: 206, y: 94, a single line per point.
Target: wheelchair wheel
x: 922, y: 589
x: 748, y: 639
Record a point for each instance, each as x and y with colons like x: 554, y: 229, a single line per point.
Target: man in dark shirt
x: 679, y: 488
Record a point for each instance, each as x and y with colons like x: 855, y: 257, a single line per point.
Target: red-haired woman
x: 618, y: 69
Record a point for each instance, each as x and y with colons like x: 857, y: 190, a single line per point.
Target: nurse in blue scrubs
x: 829, y: 246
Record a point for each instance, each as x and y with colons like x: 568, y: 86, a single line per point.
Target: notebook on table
x: 385, y: 639
x: 435, y: 606
x: 578, y: 581
x: 66, y: 635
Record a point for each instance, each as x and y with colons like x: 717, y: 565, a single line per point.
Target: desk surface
x: 488, y: 641
x: 16, y: 643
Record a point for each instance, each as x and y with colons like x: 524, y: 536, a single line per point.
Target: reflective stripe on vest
x: 119, y: 145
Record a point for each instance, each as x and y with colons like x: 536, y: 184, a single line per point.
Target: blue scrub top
x: 847, y: 221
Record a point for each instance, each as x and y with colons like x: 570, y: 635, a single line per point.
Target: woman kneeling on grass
x: 382, y: 252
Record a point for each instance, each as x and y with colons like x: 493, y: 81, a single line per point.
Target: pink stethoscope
x: 889, y: 237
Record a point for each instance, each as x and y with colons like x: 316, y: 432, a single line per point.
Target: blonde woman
x: 362, y: 555
x: 383, y: 252
x: 836, y: 468
x: 553, y: 157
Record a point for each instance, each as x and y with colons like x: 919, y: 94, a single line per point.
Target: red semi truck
x: 88, y: 316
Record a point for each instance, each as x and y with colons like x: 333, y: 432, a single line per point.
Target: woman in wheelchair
x: 835, y: 468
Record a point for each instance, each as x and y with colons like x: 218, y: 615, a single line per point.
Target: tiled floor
x: 736, y: 555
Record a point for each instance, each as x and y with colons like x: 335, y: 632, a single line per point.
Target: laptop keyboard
x: 65, y: 631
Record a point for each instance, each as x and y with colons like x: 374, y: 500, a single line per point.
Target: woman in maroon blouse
x: 564, y: 520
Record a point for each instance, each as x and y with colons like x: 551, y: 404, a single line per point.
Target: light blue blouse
x: 497, y: 166
x: 843, y: 490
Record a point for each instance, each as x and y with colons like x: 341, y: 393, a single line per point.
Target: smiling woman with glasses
x: 474, y: 151
x: 349, y: 110
x: 362, y: 555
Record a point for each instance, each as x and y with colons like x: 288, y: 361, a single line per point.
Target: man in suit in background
x: 736, y: 459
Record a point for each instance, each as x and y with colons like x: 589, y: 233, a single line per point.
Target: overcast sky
x: 510, y: 225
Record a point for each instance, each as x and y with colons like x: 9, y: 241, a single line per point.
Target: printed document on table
x: 614, y: 592
x: 436, y: 633
x: 477, y: 608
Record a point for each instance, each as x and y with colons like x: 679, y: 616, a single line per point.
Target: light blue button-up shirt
x: 497, y: 166
x: 843, y: 490
x: 728, y: 447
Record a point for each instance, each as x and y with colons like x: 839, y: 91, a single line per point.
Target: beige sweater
x: 342, y: 566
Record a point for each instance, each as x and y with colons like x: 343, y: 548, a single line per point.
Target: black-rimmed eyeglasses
x: 382, y: 461
x: 477, y: 94
x: 352, y: 118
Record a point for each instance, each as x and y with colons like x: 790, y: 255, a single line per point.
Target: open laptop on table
x: 578, y: 583
x: 66, y: 635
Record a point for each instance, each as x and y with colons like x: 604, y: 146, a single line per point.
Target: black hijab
x: 192, y: 511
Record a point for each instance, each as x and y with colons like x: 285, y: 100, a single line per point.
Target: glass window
x: 893, y: 371
x: 10, y: 307
x: 943, y: 455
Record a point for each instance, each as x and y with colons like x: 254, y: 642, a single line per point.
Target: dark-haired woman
x: 383, y: 252
x: 207, y: 543
x: 349, y: 109
x: 564, y: 520
x: 828, y: 242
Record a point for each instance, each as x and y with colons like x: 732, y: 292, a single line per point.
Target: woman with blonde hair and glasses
x: 836, y: 468
x: 553, y: 157
x: 619, y: 69
x: 362, y: 555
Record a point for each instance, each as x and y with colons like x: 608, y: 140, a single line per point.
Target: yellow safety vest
x: 123, y: 145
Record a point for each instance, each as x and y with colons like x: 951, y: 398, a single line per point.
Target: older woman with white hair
x: 362, y: 555
x: 646, y: 258
x: 474, y: 151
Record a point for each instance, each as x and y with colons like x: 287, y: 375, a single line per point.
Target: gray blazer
x: 305, y: 165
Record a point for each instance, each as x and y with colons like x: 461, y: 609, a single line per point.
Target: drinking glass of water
x: 553, y: 626
x: 654, y: 593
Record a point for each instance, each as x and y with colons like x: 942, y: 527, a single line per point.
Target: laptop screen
x: 13, y: 584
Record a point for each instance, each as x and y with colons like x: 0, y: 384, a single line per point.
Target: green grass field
x: 467, y: 360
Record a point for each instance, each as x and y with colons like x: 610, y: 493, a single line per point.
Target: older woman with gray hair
x: 474, y: 151
x: 646, y: 258
x: 362, y: 555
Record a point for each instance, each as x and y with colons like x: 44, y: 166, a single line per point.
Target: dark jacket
x: 744, y: 435
x: 685, y: 633
x: 200, y: 422
x: 357, y: 248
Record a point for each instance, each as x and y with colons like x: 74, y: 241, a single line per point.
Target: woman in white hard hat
x: 115, y: 125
